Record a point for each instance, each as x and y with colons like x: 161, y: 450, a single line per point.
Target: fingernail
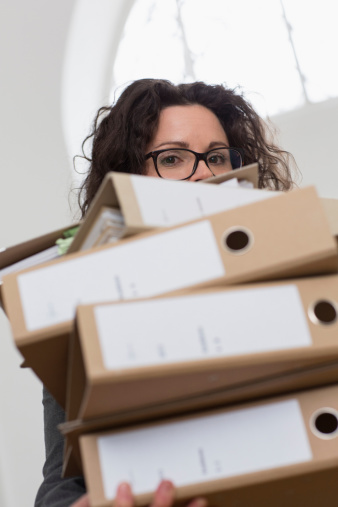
x: 124, y: 491
x: 166, y: 490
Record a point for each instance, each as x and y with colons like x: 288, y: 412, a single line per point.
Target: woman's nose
x: 202, y: 172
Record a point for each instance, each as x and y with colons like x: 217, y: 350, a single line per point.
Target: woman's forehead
x: 186, y: 124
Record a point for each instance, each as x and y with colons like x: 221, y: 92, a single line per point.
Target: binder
x: 271, y: 385
x: 331, y: 210
x: 248, y: 173
x: 274, y: 452
x: 131, y: 355
x: 235, y: 246
x: 16, y: 253
x: 146, y: 203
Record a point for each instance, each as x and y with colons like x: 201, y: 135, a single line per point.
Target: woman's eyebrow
x: 218, y: 143
x: 182, y: 144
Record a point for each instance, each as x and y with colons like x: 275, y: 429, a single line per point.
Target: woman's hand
x: 164, y: 497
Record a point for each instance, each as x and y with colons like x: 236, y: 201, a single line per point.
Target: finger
x: 124, y: 496
x: 164, y: 495
x: 198, y: 502
x: 83, y: 501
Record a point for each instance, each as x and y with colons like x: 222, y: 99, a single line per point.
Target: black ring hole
x: 326, y: 423
x: 325, y: 312
x: 237, y: 240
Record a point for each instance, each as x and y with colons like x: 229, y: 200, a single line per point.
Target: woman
x: 189, y: 131
x: 134, y: 121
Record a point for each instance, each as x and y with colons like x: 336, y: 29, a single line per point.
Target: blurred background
x: 60, y: 61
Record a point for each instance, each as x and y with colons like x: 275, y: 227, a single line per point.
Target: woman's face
x: 193, y: 127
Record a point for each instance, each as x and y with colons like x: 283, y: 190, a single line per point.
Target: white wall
x: 310, y: 134
x: 34, y: 184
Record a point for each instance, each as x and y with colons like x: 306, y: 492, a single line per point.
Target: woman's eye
x: 168, y: 160
x: 217, y: 159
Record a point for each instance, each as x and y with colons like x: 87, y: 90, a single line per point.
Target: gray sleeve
x: 55, y: 491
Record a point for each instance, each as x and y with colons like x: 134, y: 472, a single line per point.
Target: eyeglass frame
x: 198, y: 157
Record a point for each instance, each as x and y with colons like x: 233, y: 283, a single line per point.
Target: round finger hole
x: 323, y: 312
x: 324, y: 423
x: 237, y: 240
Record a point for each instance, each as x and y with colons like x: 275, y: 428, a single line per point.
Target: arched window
x: 279, y: 51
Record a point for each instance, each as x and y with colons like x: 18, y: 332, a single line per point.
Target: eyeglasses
x: 181, y: 163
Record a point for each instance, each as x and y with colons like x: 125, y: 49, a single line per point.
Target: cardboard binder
x: 135, y: 354
x: 274, y: 452
x: 285, y: 236
x: 146, y: 203
x: 249, y: 173
x: 30, y: 247
x: 331, y: 210
x: 271, y: 385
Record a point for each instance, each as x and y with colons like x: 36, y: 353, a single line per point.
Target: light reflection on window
x: 315, y: 37
x: 242, y: 43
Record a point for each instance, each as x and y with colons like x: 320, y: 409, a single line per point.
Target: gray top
x: 55, y: 491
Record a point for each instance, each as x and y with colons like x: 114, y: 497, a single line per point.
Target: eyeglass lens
x: 179, y: 163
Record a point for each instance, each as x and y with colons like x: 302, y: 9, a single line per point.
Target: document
x: 167, y: 202
x: 108, y: 227
x: 205, y: 448
x: 144, y: 268
x: 204, y: 326
x: 34, y: 260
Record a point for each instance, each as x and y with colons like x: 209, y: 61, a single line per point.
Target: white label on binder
x: 168, y: 202
x: 145, y: 267
x: 205, y: 448
x: 191, y: 328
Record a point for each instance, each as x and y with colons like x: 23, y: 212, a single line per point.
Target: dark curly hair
x: 122, y: 131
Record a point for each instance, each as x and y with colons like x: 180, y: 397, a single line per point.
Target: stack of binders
x: 192, y: 329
